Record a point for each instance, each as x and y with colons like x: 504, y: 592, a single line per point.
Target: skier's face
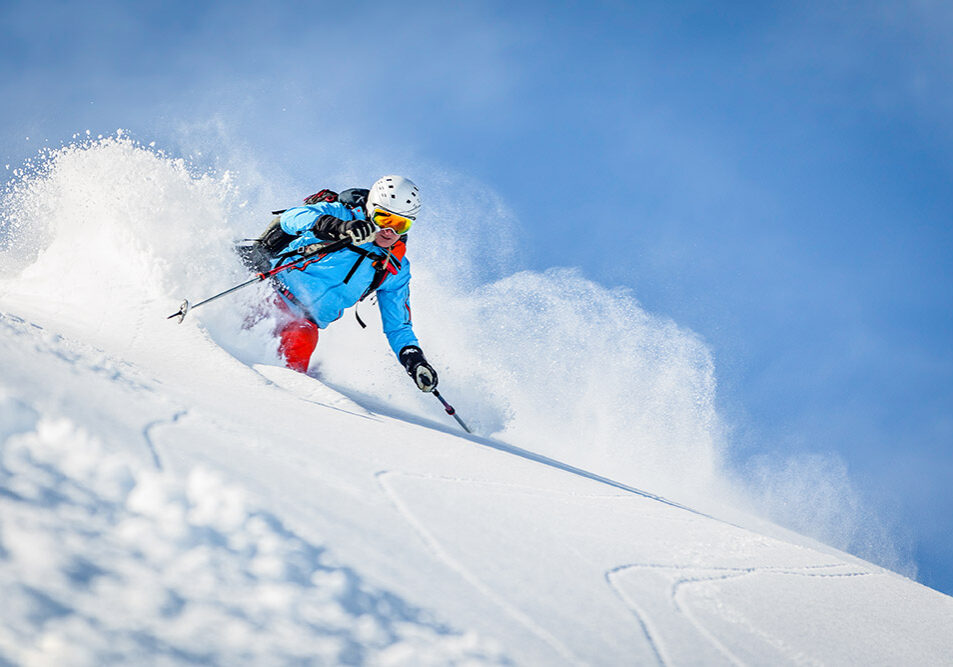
x: 386, y: 237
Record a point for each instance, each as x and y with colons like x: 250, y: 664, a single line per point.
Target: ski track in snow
x: 485, y: 589
x: 689, y: 580
x: 433, y: 544
x: 147, y: 435
x: 712, y: 637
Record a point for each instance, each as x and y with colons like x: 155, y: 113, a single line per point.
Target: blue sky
x: 775, y: 176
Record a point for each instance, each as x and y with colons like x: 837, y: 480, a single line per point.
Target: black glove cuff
x: 410, y: 357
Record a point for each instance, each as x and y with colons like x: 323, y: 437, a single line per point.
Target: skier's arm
x: 393, y: 300
x: 301, y: 219
x: 394, y: 304
x: 329, y: 220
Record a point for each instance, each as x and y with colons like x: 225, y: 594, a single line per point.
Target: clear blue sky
x: 776, y: 176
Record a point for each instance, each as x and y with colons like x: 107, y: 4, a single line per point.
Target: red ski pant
x: 297, y: 338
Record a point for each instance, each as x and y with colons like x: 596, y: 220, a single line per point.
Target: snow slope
x: 166, y: 492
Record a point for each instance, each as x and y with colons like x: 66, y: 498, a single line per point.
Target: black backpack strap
x: 378, y: 280
x: 350, y: 274
x: 379, y: 277
x: 381, y: 265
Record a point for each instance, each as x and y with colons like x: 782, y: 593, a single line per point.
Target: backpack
x: 258, y: 253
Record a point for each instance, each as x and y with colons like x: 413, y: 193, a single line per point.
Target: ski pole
x: 450, y: 410
x: 265, y: 275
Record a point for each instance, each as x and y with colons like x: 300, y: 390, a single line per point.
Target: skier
x: 311, y: 297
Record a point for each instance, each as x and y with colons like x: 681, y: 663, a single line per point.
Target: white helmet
x: 395, y: 194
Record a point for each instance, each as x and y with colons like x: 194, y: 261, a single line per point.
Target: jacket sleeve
x: 324, y: 218
x: 393, y: 299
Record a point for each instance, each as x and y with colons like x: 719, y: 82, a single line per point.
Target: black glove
x: 360, y: 231
x: 417, y: 367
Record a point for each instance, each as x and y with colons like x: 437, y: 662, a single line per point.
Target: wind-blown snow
x: 167, y: 491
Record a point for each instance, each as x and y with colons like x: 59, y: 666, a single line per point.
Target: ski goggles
x: 384, y: 218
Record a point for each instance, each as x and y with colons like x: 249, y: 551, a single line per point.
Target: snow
x: 107, y: 560
x: 168, y: 494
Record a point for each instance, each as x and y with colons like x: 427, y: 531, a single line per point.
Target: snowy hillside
x: 168, y: 491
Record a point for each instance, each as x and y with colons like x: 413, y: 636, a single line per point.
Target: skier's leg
x: 298, y: 339
x: 297, y: 336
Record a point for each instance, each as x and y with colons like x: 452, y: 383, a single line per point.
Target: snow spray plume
x: 814, y: 495
x: 119, y: 224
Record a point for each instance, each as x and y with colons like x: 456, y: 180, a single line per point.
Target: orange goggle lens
x: 398, y: 223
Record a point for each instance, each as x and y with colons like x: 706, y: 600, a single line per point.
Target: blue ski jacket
x: 319, y: 289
